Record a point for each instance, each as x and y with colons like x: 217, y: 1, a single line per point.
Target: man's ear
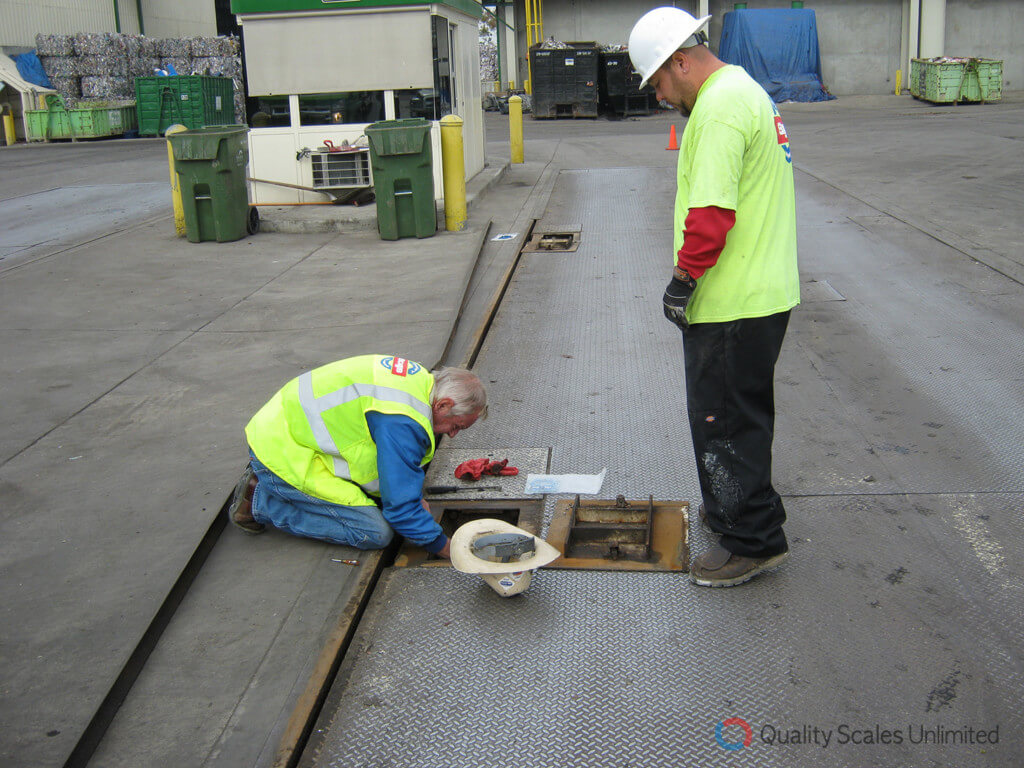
x: 443, y: 406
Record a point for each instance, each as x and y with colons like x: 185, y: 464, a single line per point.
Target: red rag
x: 472, y: 469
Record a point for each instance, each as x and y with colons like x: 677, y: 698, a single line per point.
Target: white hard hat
x: 502, y: 554
x: 657, y: 35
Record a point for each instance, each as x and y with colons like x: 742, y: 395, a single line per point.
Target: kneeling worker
x: 339, y: 453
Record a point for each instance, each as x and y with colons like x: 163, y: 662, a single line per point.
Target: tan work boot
x: 721, y: 568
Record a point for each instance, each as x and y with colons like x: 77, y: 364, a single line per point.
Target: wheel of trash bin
x: 252, y: 226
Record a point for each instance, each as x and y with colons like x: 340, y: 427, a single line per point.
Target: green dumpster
x: 210, y: 163
x: 403, y: 178
x: 194, y: 101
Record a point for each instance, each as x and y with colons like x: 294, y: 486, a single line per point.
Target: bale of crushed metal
x: 55, y: 45
x: 206, y: 47
x: 217, y: 66
x: 70, y: 88
x: 488, y: 60
x: 174, y: 48
x: 150, y: 47
x: 98, y: 44
x: 132, y: 45
x: 143, y: 67
x: 60, y: 66
x: 240, y: 107
x: 103, y: 87
x: 113, y: 66
x: 182, y: 64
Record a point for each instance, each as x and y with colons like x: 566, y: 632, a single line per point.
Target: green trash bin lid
x: 204, y: 143
x: 398, y: 137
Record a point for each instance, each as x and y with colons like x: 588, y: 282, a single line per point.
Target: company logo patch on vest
x: 399, y: 366
x: 780, y: 129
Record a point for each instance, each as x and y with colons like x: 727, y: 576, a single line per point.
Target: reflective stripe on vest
x: 314, y: 408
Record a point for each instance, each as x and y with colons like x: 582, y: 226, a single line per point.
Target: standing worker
x: 340, y: 453
x: 734, y: 284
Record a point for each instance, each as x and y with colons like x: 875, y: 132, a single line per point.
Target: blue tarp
x: 31, y: 69
x: 779, y: 49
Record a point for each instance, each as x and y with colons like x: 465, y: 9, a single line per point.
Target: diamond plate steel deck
x: 902, y: 604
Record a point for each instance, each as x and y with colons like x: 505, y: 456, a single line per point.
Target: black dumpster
x: 564, y: 80
x: 619, y: 85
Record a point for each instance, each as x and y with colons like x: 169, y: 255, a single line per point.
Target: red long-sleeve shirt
x: 706, y: 229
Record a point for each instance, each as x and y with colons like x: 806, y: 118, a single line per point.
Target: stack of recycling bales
x: 103, y: 66
x: 57, y: 55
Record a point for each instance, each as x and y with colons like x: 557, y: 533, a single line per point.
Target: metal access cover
x: 453, y: 513
x: 620, y: 535
x: 561, y: 242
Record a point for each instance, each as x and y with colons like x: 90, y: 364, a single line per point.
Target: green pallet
x: 88, y: 120
x: 194, y: 101
x: 950, y: 82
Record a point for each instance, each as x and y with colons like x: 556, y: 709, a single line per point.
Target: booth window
x: 420, y: 102
x: 271, y: 111
x: 432, y: 103
x: 341, y: 108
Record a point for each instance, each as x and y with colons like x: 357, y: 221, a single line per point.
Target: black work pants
x: 730, y: 398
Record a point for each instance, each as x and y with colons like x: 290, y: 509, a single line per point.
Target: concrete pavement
x: 133, y: 361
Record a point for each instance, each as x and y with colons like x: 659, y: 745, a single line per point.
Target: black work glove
x: 677, y: 296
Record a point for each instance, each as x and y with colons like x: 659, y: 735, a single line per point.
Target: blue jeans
x: 283, y: 506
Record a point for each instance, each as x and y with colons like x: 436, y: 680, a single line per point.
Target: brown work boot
x: 240, y: 509
x: 719, y: 567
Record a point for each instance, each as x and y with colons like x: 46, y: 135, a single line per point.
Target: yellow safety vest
x: 313, y: 432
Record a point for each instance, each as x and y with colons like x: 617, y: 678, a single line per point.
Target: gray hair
x: 463, y: 387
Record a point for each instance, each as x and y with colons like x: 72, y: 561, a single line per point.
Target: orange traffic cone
x: 672, y: 143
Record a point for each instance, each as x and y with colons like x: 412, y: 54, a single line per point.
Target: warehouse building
x: 863, y: 44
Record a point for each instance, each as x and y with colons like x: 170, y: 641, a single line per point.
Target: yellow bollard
x: 515, y: 127
x: 899, y: 81
x: 179, y: 209
x: 453, y: 167
x: 10, y: 136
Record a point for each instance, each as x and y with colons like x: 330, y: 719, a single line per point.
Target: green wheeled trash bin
x: 403, y: 178
x: 210, y: 163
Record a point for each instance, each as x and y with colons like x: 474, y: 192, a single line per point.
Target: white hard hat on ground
x: 502, y: 554
x: 657, y: 35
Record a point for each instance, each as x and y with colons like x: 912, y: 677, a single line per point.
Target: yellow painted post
x: 10, y: 136
x: 453, y: 167
x: 899, y: 80
x: 179, y: 209
x: 515, y: 127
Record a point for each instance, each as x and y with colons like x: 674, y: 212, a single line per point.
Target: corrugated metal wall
x: 21, y: 20
x: 179, y: 18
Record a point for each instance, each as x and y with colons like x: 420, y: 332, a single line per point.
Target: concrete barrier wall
x: 993, y: 29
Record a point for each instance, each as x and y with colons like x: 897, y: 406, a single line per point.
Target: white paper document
x: 565, y: 483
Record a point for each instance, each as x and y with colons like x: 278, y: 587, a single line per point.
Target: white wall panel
x: 338, y: 52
